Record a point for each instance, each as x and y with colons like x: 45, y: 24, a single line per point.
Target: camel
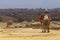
x: 45, y: 22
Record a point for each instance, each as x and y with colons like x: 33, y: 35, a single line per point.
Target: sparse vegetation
x: 1, y: 19
x: 9, y: 22
x: 19, y: 15
x: 55, y: 19
x: 20, y: 20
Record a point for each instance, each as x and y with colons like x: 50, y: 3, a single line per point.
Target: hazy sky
x: 29, y: 3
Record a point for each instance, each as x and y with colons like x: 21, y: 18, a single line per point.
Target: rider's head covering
x: 46, y: 12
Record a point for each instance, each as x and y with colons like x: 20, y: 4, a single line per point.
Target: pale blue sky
x: 30, y: 4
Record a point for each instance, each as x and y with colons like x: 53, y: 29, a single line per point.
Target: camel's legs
x: 47, y: 28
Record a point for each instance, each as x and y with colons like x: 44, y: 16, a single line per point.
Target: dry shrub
x: 28, y: 25
x: 9, y: 22
x: 35, y: 25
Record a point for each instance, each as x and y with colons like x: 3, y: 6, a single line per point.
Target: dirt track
x: 28, y: 34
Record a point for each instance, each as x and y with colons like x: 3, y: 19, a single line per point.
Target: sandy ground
x: 28, y: 34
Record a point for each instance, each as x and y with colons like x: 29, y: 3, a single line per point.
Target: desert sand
x: 28, y: 34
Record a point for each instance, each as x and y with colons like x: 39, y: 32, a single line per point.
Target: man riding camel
x: 45, y: 21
